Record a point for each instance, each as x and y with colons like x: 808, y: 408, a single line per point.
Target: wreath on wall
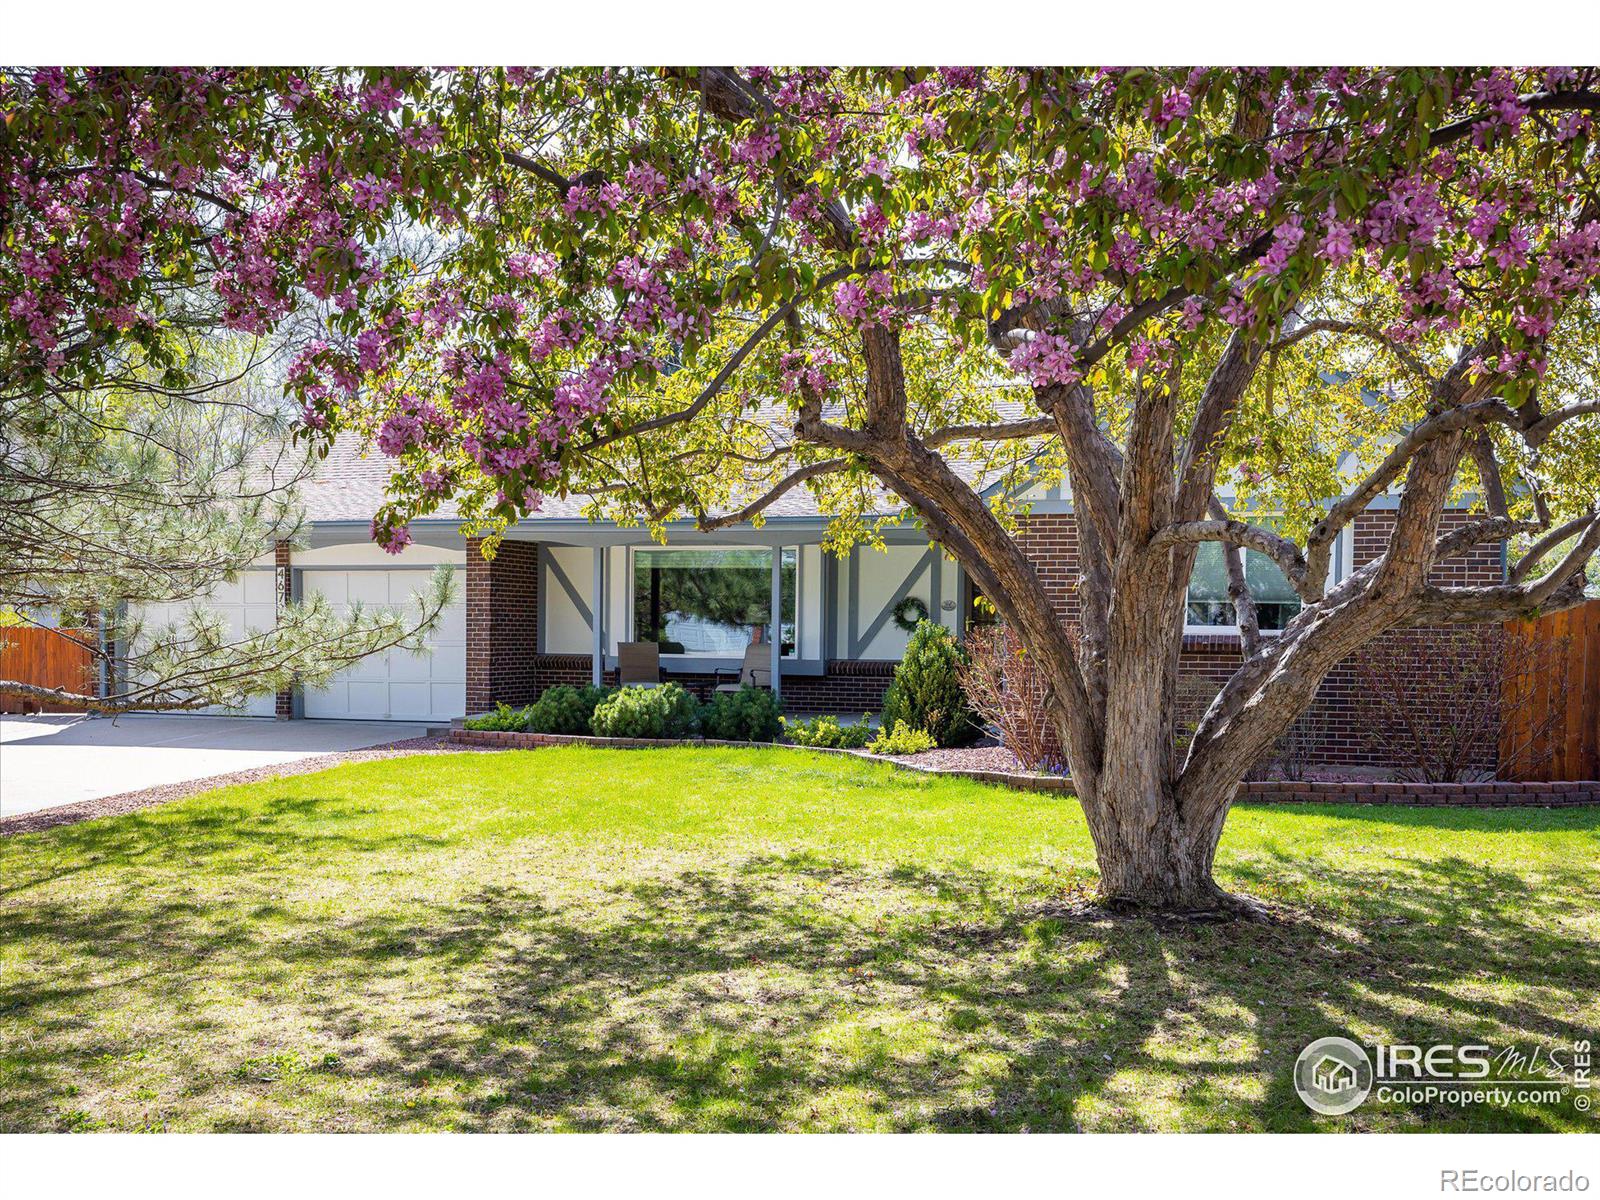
x: 909, y: 612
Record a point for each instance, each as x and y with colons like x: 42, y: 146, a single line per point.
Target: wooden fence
x: 45, y: 658
x: 1563, y: 712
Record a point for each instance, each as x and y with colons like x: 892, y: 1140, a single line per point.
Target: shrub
x: 1474, y: 712
x: 825, y: 731
x: 1007, y: 689
x: 566, y: 709
x: 751, y: 714
x: 927, y: 692
x: 636, y: 712
x: 902, y: 740
x: 504, y: 719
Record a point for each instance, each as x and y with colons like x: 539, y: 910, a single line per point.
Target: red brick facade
x: 1337, y: 727
x: 502, y: 624
x: 1050, y: 541
x: 847, y: 687
x: 503, y: 665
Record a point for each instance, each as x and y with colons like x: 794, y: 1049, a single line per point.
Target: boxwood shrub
x: 637, y: 712
x: 566, y: 709
x: 902, y: 739
x: 504, y: 719
x: 927, y: 693
x: 751, y: 714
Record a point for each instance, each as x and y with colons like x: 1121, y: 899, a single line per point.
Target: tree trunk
x: 1155, y: 853
x: 1163, y: 868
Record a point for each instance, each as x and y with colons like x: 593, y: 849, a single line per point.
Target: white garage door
x: 393, y: 685
x: 246, y: 605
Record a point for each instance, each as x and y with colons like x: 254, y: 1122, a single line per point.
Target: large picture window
x: 1209, y: 606
x: 711, y: 602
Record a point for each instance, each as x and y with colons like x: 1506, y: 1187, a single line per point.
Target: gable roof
x: 349, y: 486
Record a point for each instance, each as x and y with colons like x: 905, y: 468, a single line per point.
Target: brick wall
x: 1050, y: 540
x: 1344, y: 718
x: 847, y: 687
x: 1337, y: 729
x: 502, y: 598
x: 502, y: 663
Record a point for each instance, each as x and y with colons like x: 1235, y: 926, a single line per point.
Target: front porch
x: 561, y: 595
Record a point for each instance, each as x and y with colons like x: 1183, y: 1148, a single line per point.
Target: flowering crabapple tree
x: 1219, y: 305
x: 145, y: 452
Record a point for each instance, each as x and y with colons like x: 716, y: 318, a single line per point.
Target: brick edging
x: 1493, y: 794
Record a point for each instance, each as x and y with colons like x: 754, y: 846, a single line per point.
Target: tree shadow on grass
x: 785, y: 991
x: 739, y: 1001
x: 317, y: 828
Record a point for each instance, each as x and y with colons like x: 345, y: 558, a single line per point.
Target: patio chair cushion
x: 638, y: 664
x: 756, y: 670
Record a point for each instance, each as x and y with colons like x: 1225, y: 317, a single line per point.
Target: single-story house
x: 562, y: 592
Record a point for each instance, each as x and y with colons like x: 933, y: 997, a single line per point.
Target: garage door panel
x: 369, y: 698
x: 372, y: 669
x: 259, y: 588
x: 370, y: 588
x: 411, y: 668
x: 331, y: 701
x: 395, y: 684
x: 328, y: 584
x: 244, y: 606
x: 453, y: 626
x: 409, y: 699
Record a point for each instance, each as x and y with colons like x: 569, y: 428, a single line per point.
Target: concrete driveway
x: 48, y: 761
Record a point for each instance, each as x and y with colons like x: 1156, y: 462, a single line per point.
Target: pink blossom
x: 1175, y: 105
x: 851, y: 301
x: 1046, y: 359
x: 393, y: 539
x: 1286, y: 239
x: 759, y: 148
x: 1338, y: 243
x: 381, y: 97
x: 644, y: 180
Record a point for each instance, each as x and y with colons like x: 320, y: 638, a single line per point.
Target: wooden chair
x: 756, y: 671
x: 639, y: 664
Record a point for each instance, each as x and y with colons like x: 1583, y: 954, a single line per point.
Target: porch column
x: 775, y: 623
x: 598, y: 672
x: 502, y: 624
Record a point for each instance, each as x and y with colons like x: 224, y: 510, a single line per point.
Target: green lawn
x: 749, y: 940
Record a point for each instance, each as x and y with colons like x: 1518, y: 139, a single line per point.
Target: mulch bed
x: 126, y: 802
x: 966, y: 758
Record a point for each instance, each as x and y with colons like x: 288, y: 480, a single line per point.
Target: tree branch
x: 1561, y: 588
x: 1238, y: 533
x: 1451, y: 420
x: 1239, y: 594
x: 775, y: 493
x: 1551, y: 539
x: 1534, y: 102
x: 999, y: 432
x: 1327, y: 325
